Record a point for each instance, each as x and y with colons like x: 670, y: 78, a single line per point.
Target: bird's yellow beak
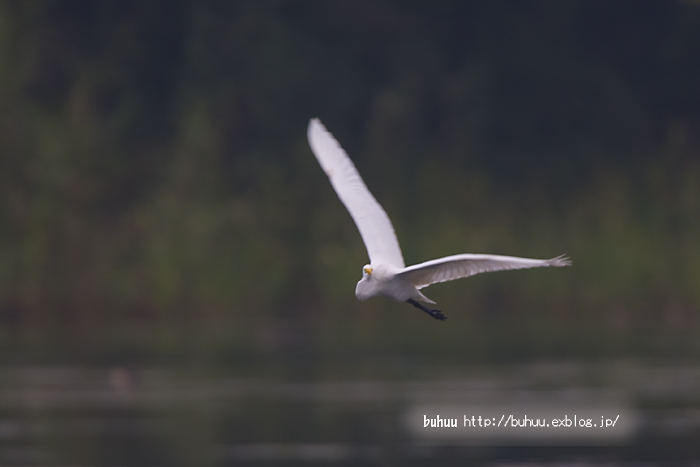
x: 368, y: 271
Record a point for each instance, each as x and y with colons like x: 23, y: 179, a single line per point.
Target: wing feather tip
x: 560, y: 261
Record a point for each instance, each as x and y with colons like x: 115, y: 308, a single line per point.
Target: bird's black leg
x: 437, y: 314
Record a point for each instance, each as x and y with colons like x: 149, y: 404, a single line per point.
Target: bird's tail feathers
x: 425, y: 299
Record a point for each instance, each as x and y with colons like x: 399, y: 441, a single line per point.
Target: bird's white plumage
x: 371, y: 220
x: 465, y: 265
x: 386, y: 275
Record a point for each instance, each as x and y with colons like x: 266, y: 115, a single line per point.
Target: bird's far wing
x: 371, y: 220
x: 458, y: 266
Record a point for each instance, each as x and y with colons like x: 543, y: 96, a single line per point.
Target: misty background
x: 161, y: 205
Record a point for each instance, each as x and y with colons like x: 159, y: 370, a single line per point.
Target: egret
x: 386, y: 275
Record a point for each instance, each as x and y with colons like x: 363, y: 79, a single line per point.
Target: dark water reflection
x: 166, y: 416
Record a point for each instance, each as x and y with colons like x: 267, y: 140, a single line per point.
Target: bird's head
x: 364, y: 287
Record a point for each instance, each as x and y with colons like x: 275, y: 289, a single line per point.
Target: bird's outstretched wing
x: 371, y: 220
x: 458, y: 266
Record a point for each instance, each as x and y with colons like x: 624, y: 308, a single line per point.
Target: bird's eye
x: 368, y: 271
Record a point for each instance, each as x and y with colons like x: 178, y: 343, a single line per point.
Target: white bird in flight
x: 386, y: 275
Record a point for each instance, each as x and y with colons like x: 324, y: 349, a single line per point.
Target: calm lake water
x: 147, y: 416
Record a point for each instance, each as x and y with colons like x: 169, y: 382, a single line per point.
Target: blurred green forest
x: 159, y: 196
